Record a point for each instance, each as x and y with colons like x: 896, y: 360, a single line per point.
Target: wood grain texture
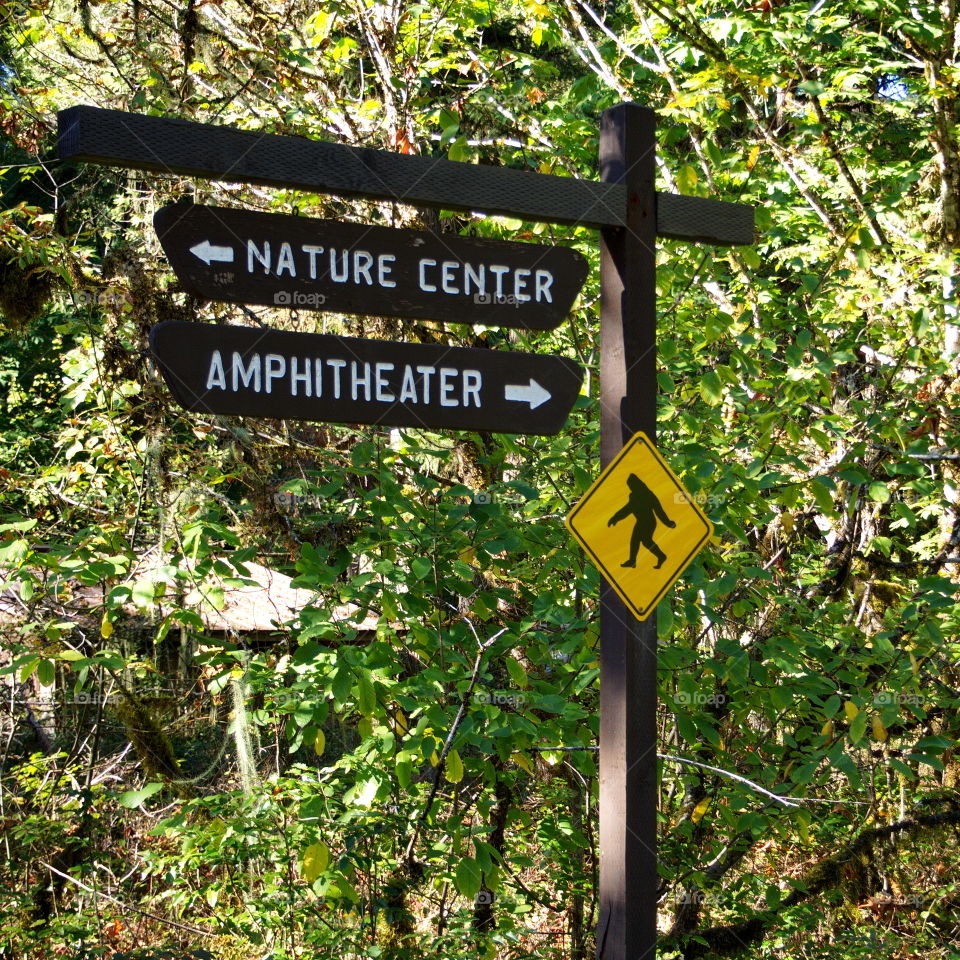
x: 166, y: 145
x: 628, y: 648
x: 256, y: 372
x: 242, y: 256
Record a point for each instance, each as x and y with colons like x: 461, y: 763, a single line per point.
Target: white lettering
x: 248, y: 376
x: 216, y: 377
x: 337, y: 365
x: 498, y: 271
x: 253, y: 252
x: 363, y: 381
x: 520, y: 284
x: 285, y: 260
x: 344, y: 273
x: 296, y: 377
x: 543, y: 280
x: 408, y: 391
x: 362, y: 262
x: 428, y: 287
x: 447, y: 388
x: 311, y: 250
x: 427, y: 372
x: 318, y: 377
x: 382, y: 386
x: 475, y: 275
x: 447, y: 277
x: 472, y: 382
x: 384, y: 269
x: 274, y: 367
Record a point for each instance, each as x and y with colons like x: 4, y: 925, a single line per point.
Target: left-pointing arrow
x: 531, y: 393
x: 208, y: 253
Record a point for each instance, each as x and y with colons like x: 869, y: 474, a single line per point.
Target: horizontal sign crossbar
x: 117, y: 138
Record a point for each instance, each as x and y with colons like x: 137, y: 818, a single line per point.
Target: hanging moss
x: 150, y: 742
x: 24, y: 294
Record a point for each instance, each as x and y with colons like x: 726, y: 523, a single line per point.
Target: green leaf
x: 859, y: 726
x: 28, y: 669
x: 517, y: 674
x: 711, y: 387
x: 133, y: 798
x: 366, y: 695
x: 342, y: 682
x: 46, y: 672
x: 453, y: 767
x: 469, y: 878
x: 143, y: 592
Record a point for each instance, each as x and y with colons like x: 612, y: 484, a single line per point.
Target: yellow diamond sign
x: 639, y: 526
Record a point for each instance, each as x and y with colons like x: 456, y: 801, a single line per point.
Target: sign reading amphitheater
x: 286, y: 261
x: 253, y: 372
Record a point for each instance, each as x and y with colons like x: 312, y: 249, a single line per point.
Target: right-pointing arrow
x: 531, y: 393
x: 208, y: 253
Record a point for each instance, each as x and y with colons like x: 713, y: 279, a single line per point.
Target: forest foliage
x: 407, y: 767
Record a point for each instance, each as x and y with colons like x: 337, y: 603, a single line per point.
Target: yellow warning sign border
x: 641, y: 613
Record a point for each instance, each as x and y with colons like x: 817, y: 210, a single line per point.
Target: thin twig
x: 786, y: 801
x: 428, y: 806
x: 124, y: 906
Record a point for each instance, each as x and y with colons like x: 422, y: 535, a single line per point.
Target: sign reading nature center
x: 299, y: 262
x: 253, y: 372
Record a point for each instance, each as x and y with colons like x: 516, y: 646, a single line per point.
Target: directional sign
x: 639, y: 526
x: 286, y: 261
x: 253, y: 372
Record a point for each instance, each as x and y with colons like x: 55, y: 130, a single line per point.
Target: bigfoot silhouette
x: 644, y: 506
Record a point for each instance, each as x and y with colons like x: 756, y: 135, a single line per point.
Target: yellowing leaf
x: 700, y: 809
x: 880, y: 732
x: 315, y: 860
x: 319, y: 743
x: 851, y: 710
x: 453, y: 768
x: 522, y: 760
x: 400, y: 720
x: 106, y: 628
x: 687, y: 179
x: 827, y: 730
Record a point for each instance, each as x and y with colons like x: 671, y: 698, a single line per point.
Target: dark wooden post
x: 628, y: 649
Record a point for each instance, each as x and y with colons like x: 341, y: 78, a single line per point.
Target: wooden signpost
x: 250, y: 372
x: 306, y: 264
x: 630, y: 214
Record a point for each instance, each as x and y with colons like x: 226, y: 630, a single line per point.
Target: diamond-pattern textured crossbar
x: 165, y: 145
